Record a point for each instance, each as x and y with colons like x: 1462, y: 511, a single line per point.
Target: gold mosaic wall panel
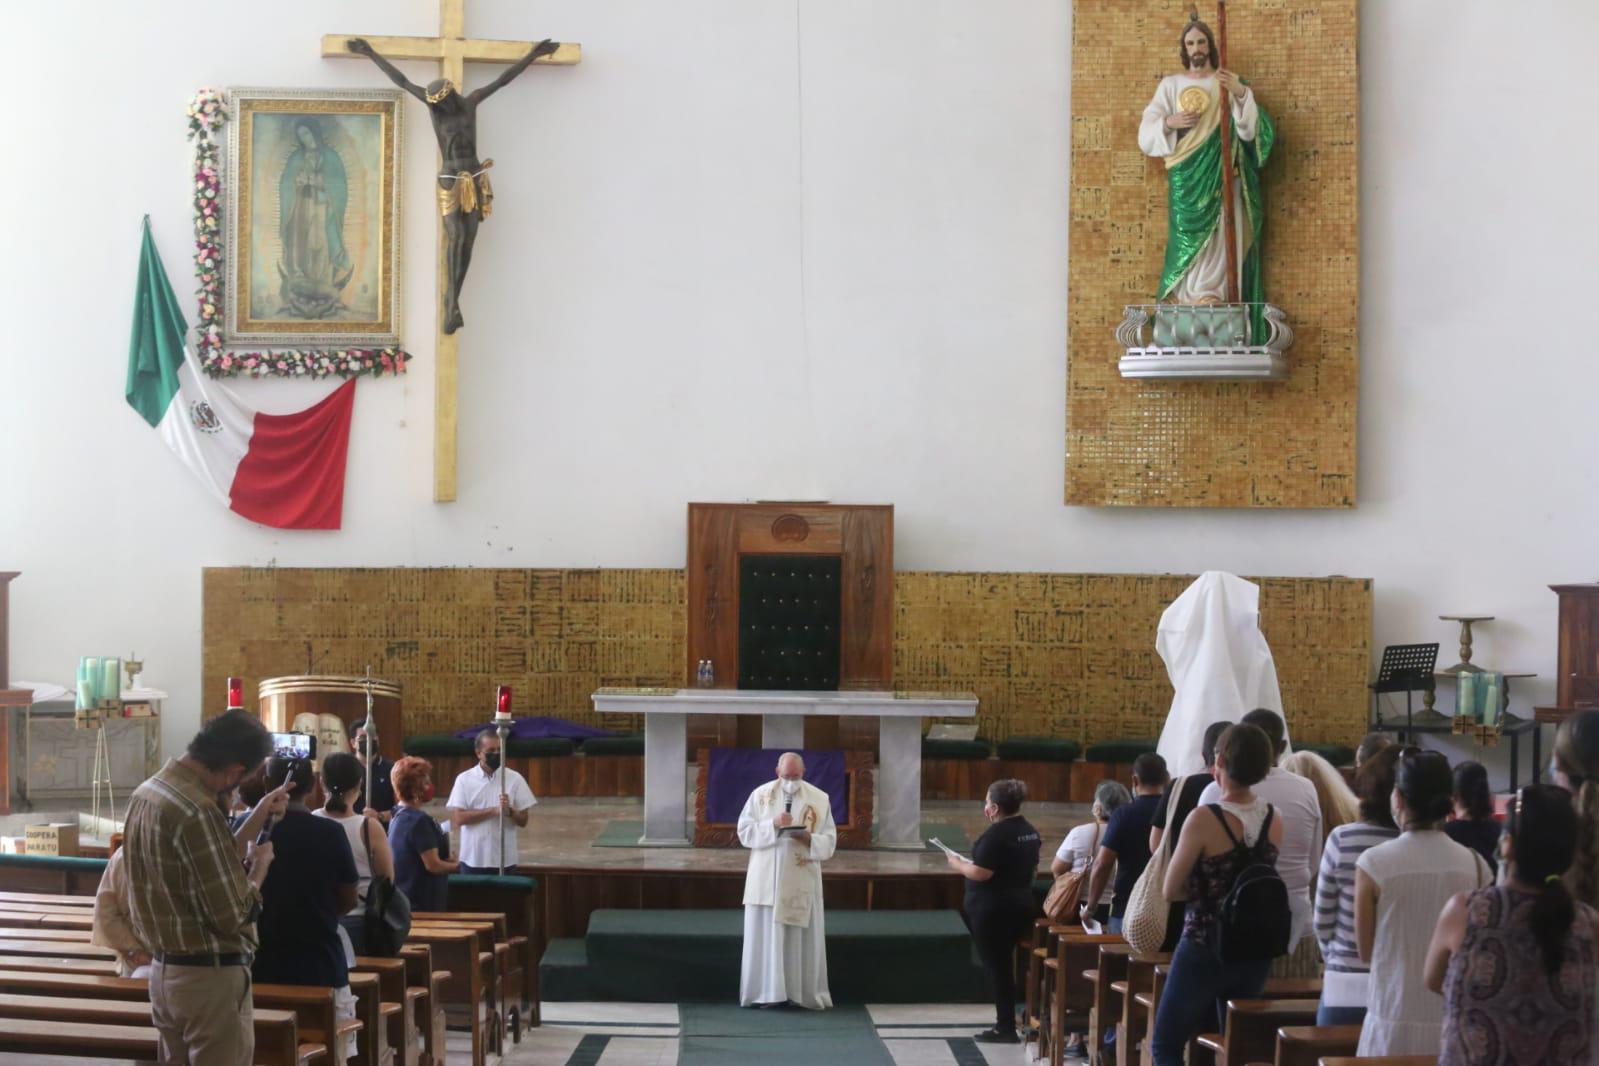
x: 1058, y: 654
x: 1218, y: 444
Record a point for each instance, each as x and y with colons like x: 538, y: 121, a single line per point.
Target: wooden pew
x: 44, y: 964
x: 1072, y: 998
x: 1136, y: 1019
x: 1384, y: 1060
x: 419, y: 973
x: 1035, y: 998
x: 512, y: 951
x: 1150, y: 1003
x: 276, y: 1034
x: 45, y: 897
x: 456, y: 949
x: 1251, y: 1031
x: 1106, y: 1009
x: 1307, y: 1045
x: 402, y: 1024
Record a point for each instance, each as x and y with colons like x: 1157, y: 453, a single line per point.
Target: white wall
x: 814, y: 248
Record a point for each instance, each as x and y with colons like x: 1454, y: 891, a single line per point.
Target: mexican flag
x: 279, y: 470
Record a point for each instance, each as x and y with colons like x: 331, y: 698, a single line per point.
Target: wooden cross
x: 451, y: 49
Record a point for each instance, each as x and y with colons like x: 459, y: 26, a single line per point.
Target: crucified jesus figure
x: 465, y: 195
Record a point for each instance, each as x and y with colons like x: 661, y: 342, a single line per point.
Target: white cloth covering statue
x: 1218, y: 662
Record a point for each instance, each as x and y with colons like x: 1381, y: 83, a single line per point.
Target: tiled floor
x: 645, y: 1034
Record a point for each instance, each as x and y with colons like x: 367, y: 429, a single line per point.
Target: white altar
x: 899, y: 773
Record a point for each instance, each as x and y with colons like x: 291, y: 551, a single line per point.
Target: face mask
x: 492, y: 760
x: 790, y: 787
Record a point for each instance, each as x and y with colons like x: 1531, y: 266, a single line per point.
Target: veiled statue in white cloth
x: 1218, y: 662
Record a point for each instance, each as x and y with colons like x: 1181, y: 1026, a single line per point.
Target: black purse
x: 387, y: 919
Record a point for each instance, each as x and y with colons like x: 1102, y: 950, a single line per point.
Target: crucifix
x: 464, y: 192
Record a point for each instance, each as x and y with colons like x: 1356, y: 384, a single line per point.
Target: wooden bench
x: 1384, y: 1060
x: 455, y: 949
x: 1307, y: 1045
x: 419, y: 973
x: 1136, y: 1020
x: 518, y: 974
x: 1106, y: 1010
x: 1070, y: 997
x: 402, y: 1025
x: 276, y: 1034
x: 1251, y: 1030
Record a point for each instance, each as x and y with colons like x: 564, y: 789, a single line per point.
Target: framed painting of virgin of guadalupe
x: 313, y: 250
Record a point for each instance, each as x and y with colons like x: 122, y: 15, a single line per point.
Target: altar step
x: 681, y: 956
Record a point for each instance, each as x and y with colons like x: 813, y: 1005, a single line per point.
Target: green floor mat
x: 624, y: 833
x: 714, y: 1034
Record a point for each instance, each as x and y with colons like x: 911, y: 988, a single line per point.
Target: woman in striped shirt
x: 1343, y: 988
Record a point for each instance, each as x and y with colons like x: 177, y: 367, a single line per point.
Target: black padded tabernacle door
x: 788, y: 621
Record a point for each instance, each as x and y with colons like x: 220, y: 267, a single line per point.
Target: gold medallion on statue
x: 1193, y: 99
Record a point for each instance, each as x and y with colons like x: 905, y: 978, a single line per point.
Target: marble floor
x: 645, y: 1034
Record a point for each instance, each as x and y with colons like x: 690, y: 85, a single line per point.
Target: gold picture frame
x: 313, y: 242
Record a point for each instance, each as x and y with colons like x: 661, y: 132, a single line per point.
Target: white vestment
x: 1218, y: 662
x: 1206, y: 278
x: 785, y: 940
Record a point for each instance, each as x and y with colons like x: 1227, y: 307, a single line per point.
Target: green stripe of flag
x: 155, y: 354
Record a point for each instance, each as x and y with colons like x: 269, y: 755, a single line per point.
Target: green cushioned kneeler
x: 539, y: 746
x: 510, y: 882
x: 79, y: 863
x: 628, y: 745
x: 955, y: 749
x: 1039, y: 749
x: 666, y: 956
x: 436, y: 744
x: 1337, y: 754
x: 1120, y: 750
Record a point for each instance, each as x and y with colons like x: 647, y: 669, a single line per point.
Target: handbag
x: 1061, y: 902
x: 386, y: 920
x: 1144, y: 921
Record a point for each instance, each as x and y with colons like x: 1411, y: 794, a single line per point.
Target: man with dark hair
x: 312, y: 883
x: 1125, y: 848
x: 194, y: 891
x: 475, y: 803
x: 382, y: 787
x: 1300, y: 809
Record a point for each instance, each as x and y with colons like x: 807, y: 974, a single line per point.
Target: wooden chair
x: 1307, y: 1045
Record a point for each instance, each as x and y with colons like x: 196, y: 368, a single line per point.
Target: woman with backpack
x: 342, y: 780
x: 1401, y: 887
x: 1224, y: 864
x: 1516, y: 963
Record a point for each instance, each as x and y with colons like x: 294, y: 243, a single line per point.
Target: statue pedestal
x: 1206, y: 342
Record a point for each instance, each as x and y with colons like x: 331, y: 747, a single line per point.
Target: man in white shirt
x: 475, y: 803
x: 1295, y: 799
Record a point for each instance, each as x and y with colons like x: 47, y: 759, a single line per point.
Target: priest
x: 788, y: 826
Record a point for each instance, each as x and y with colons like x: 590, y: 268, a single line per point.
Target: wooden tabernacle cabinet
x: 862, y: 537
x: 1577, y: 683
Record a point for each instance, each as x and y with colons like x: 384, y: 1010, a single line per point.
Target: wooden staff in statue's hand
x: 465, y: 195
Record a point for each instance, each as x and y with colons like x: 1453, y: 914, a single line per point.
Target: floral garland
x: 207, y: 112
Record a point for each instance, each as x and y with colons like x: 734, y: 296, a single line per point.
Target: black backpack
x: 1254, y: 921
x: 387, y: 918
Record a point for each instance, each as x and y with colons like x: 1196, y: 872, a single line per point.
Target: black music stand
x: 1406, y: 668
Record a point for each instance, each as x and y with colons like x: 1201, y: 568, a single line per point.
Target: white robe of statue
x: 1218, y: 662
x: 785, y: 940
x: 1206, y: 279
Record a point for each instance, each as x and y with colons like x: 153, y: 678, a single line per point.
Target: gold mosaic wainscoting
x: 1069, y: 655
x: 1215, y: 444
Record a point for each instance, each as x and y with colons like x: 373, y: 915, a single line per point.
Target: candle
x: 111, y: 679
x: 1490, y: 702
x: 502, y: 702
x: 235, y: 692
x: 85, y: 694
x: 1466, y: 696
x: 91, y: 674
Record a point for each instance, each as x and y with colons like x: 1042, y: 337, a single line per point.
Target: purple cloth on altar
x: 736, y: 772
x: 540, y: 725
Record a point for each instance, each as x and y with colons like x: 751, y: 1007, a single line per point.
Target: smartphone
x: 294, y: 745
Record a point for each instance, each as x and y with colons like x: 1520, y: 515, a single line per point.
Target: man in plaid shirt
x: 194, y: 890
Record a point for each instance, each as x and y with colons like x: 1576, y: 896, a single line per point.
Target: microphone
x: 788, y: 804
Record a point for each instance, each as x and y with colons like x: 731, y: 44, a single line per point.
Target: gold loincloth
x: 467, y: 193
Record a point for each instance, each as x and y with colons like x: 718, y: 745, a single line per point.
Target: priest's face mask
x: 790, y: 772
